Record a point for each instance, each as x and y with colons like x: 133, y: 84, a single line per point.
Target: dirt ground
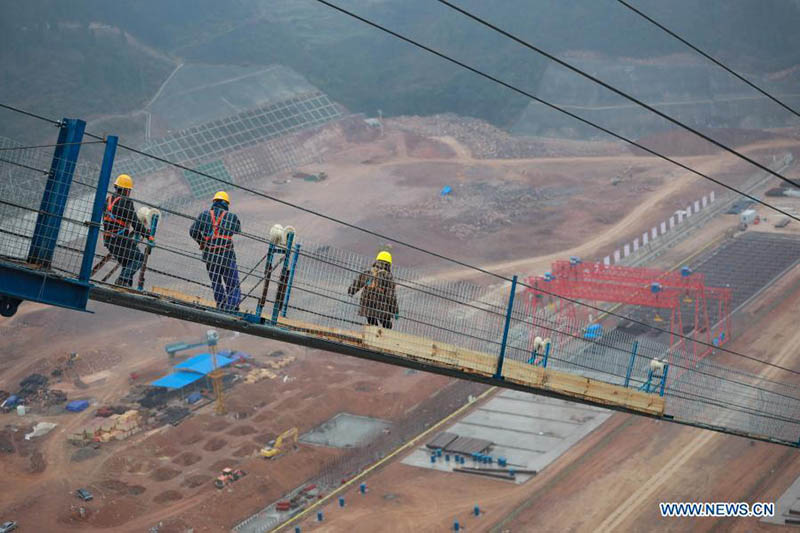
x: 571, y: 205
x: 618, y: 474
x: 167, y: 473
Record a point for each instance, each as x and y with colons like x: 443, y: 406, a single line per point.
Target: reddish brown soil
x: 214, y: 444
x: 168, y: 496
x: 187, y: 459
x: 164, y: 474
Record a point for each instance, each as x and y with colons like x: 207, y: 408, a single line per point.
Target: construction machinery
x: 228, y: 476
x: 279, y: 445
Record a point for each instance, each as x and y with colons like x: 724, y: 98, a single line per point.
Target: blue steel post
x: 663, y: 380
x: 499, y: 373
x: 291, y: 279
x: 282, y: 280
x: 630, y: 364
x: 98, y: 207
x: 546, y: 355
x: 54, y: 199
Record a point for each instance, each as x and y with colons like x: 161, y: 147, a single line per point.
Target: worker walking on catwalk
x: 378, y: 298
x: 213, y: 231
x: 120, y: 226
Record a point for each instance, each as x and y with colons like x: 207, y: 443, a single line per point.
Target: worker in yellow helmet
x: 120, y: 226
x: 213, y: 231
x: 378, y: 298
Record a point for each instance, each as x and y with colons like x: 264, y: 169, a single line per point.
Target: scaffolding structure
x: 676, y: 294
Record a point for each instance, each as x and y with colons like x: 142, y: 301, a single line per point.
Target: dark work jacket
x: 118, y: 223
x: 202, y: 231
x: 378, y: 298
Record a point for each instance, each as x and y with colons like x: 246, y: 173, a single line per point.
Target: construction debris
x: 282, y: 362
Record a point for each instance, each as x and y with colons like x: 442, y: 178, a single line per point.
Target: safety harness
x: 215, y: 222
x: 113, y: 220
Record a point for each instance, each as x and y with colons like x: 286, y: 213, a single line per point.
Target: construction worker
x: 378, y: 298
x: 213, y: 231
x: 120, y: 226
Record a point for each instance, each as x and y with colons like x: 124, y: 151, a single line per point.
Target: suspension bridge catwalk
x: 51, y: 211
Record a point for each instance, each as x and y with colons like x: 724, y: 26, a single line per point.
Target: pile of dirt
x: 37, y: 464
x: 164, y: 473
x: 195, y: 481
x: 246, y: 450
x: 191, y: 438
x: 168, y: 496
x: 186, y: 459
x: 6, y: 442
x: 215, y: 444
x: 239, y: 431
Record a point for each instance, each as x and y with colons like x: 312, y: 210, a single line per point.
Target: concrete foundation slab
x: 345, y: 430
x: 529, y: 431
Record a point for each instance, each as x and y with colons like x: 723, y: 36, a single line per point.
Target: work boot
x: 124, y: 282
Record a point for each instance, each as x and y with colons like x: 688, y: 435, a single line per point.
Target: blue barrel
x: 686, y: 271
x: 363, y: 488
x: 319, y: 516
x: 511, y: 472
x: 447, y: 457
x: 438, y: 452
x: 341, y: 501
x: 456, y: 526
x: 501, y: 461
x: 433, y: 458
x: 297, y: 529
x: 477, y: 511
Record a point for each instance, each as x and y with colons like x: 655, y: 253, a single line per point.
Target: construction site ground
x: 165, y: 475
x: 613, y: 479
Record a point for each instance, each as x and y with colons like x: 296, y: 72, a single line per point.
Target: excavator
x: 277, y: 447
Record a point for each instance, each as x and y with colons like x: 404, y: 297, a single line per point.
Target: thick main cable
x: 709, y: 57
x: 615, y: 90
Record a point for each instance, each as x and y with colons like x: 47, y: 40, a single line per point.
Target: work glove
x: 151, y: 241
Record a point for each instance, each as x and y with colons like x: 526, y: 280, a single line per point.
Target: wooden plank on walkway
x: 583, y: 387
x: 182, y: 296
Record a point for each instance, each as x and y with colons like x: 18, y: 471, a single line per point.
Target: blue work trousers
x: 224, y: 276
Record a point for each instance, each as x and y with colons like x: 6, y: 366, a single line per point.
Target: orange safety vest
x: 215, y: 222
x: 112, y: 220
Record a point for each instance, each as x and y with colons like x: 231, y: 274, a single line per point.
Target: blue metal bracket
x: 663, y: 380
x: 283, y: 281
x: 98, y: 207
x: 630, y: 364
x: 291, y: 279
x: 499, y: 373
x: 56, y: 192
x: 20, y: 283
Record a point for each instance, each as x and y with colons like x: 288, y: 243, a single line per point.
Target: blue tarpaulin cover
x: 77, y: 405
x: 191, y: 370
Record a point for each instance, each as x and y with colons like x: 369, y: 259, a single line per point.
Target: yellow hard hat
x: 123, y: 181
x: 222, y: 195
x: 384, y: 256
